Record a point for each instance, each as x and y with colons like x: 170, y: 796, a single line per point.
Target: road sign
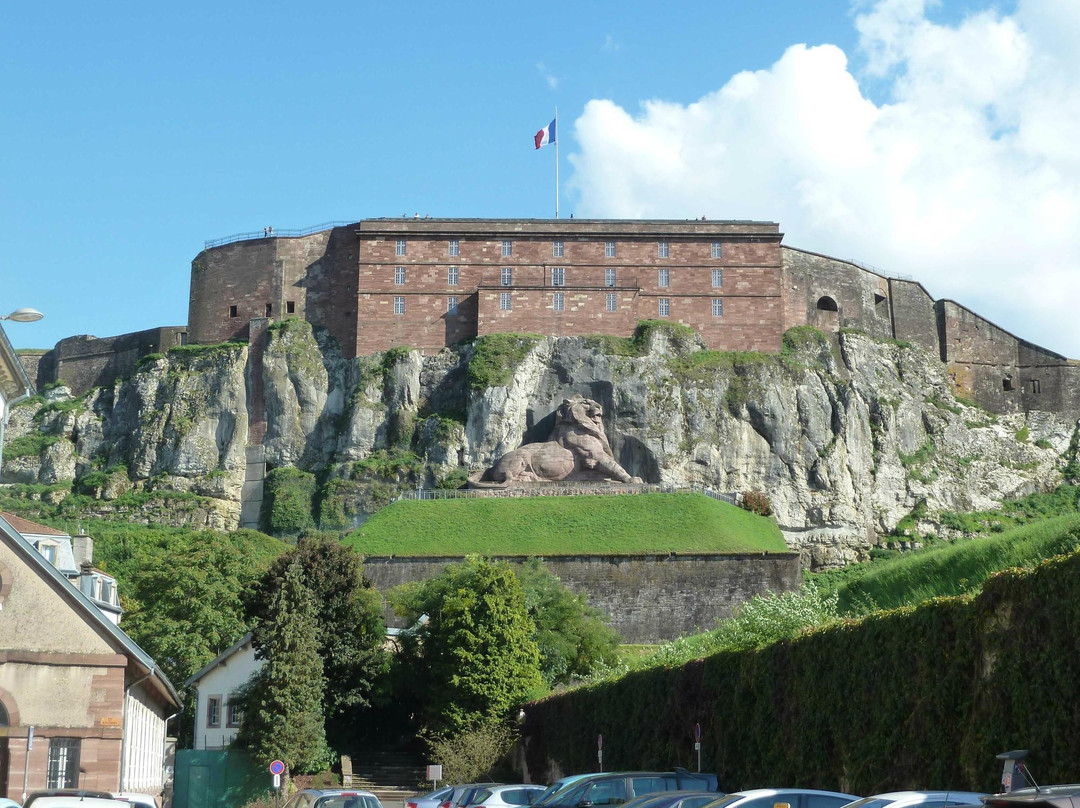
x: 277, y: 768
x: 277, y: 781
x: 599, y: 743
x: 697, y: 733
x: 434, y: 771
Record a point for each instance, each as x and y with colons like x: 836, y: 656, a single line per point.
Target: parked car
x: 72, y: 798
x: 672, y: 799
x: 136, y: 800
x: 615, y: 788
x: 919, y: 799
x: 790, y: 797
x: 1016, y: 793
x: 460, y: 791
x: 333, y: 798
x: 559, y: 786
x: 430, y: 800
x: 505, y: 796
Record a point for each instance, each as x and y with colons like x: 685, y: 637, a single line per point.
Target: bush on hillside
x: 756, y: 502
x: 288, y: 496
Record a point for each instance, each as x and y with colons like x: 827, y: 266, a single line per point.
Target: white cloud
x: 551, y: 79
x: 967, y: 178
x: 610, y: 45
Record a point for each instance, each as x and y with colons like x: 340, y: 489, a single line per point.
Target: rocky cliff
x: 848, y: 436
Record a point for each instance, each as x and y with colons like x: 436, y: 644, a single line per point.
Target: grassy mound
x: 550, y: 526
x: 951, y: 569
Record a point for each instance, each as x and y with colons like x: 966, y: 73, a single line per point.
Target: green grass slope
x: 951, y: 569
x: 550, y: 526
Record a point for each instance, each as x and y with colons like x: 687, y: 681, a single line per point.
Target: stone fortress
x: 429, y: 283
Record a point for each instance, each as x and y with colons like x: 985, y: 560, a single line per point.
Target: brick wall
x: 861, y: 297
x: 83, y: 362
x: 914, y: 315
x: 647, y: 598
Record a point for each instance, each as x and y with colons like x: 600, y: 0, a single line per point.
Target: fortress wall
x: 982, y: 358
x: 85, y: 361
x: 914, y: 315
x: 37, y: 362
x: 861, y: 296
x: 648, y: 598
x: 331, y: 288
x: 240, y: 275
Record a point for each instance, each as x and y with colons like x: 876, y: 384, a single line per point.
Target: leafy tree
x: 349, y: 628
x: 475, y: 657
x: 283, y: 716
x: 573, y: 639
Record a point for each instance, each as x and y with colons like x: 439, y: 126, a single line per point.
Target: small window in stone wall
x: 269, y: 309
x: 1007, y: 384
x: 290, y: 307
x: 1036, y: 386
x: 63, y: 767
x: 826, y: 303
x: 232, y: 311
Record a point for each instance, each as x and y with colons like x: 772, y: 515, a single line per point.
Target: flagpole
x: 556, y: 162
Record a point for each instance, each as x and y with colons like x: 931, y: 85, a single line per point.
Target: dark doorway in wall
x: 826, y: 303
x: 1007, y: 383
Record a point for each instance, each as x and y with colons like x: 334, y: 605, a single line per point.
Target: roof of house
x: 26, y: 527
x: 87, y: 609
x: 220, y: 659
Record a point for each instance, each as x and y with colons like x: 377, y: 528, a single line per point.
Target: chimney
x: 86, y: 578
x: 82, y: 547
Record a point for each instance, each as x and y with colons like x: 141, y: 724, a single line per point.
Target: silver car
x: 787, y: 797
x: 509, y: 796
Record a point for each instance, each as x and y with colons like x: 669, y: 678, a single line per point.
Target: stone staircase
x: 392, y: 778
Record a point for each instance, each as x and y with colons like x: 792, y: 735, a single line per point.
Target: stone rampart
x: 86, y: 361
x: 815, y: 284
x: 648, y: 598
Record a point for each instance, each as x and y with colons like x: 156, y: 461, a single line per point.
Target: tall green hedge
x: 911, y: 698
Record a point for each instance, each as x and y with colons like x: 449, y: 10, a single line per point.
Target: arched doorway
x: 827, y: 314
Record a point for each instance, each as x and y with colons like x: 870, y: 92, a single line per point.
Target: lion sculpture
x: 577, y: 450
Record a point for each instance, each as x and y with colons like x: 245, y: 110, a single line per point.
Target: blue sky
x: 132, y: 132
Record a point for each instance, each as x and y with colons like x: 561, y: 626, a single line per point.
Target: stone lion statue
x: 577, y: 450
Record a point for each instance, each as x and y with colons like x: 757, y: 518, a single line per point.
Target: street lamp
x: 24, y: 315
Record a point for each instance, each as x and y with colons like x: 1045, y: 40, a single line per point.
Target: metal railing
x: 307, y: 231
x: 564, y: 488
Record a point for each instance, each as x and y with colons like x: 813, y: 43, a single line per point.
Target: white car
x: 789, y: 797
x: 75, y: 802
x: 509, y: 796
x: 919, y: 799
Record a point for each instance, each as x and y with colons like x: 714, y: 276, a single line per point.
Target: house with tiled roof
x: 81, y: 705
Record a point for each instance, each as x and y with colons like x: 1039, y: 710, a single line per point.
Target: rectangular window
x: 399, y: 247
x: 662, y: 249
x: 48, y: 551
x: 609, y: 249
x: 451, y: 305
x: 451, y: 276
x: 399, y: 305
x: 558, y: 276
x: 717, y: 307
x: 269, y: 309
x: 609, y: 277
x: 507, y: 276
x: 663, y: 277
x: 1036, y: 386
x: 235, y: 716
x: 717, y: 250
x: 612, y: 302
x: 232, y: 311
x: 454, y: 247
x: 558, y: 303
x: 290, y: 307
x: 556, y: 249
x: 507, y: 249
x: 213, y: 711
x: 717, y: 278
x: 63, y: 771
x: 504, y: 301
x: 399, y: 276
x: 665, y: 307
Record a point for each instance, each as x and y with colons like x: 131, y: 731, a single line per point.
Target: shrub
x: 32, y: 444
x: 472, y: 755
x: 287, y: 501
x: 496, y: 357
x: 756, y: 502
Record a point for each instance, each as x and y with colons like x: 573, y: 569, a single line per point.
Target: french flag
x: 546, y: 135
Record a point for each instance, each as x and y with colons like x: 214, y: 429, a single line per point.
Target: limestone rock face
x: 846, y: 438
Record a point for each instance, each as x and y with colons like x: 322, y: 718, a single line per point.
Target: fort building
x: 429, y: 283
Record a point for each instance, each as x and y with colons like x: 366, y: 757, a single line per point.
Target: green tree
x: 349, y: 627
x: 475, y: 656
x: 283, y: 716
x: 573, y: 638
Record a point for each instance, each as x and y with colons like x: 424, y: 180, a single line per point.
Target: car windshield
x: 869, y: 802
x: 347, y: 801
x: 555, y: 788
x: 723, y: 802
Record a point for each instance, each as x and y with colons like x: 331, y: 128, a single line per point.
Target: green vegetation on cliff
x: 545, y: 526
x: 496, y: 356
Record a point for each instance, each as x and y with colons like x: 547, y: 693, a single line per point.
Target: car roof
x: 77, y: 802
x: 765, y: 792
x: 334, y: 792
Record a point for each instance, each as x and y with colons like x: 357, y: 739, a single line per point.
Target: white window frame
x: 717, y: 278
x: 399, y: 247
x: 662, y: 249
x: 507, y: 277
x: 609, y: 276
x: 399, y: 305
x: 663, y: 278
x: 609, y: 249
x: 558, y: 276
x: 718, y: 307
x: 452, y: 276
x: 505, y: 302
x: 556, y: 249
x: 507, y: 248
x: 558, y: 301
x: 453, y: 247
x: 612, y: 302
x: 399, y: 276
x: 665, y: 307
x: 717, y: 250
x: 62, y: 769
x: 213, y: 716
x: 452, y: 305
